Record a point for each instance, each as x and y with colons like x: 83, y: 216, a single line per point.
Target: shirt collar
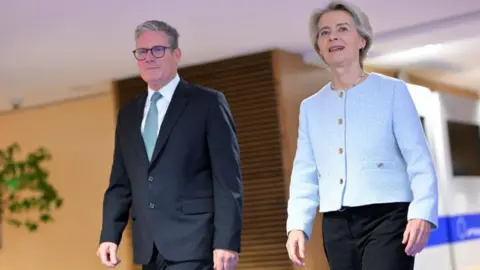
x: 166, y: 91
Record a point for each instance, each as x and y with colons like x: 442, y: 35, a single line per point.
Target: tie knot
x: 156, y: 96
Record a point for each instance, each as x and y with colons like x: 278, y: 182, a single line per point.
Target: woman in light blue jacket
x: 362, y: 158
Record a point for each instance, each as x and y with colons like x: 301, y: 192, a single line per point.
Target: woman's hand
x: 416, y: 236
x: 296, y: 247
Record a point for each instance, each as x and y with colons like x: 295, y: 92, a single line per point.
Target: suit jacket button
x: 151, y: 205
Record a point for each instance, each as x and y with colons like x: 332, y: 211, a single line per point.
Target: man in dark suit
x: 176, y: 167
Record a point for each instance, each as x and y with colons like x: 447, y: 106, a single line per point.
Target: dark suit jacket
x: 189, y: 198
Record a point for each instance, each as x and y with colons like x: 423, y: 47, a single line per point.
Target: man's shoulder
x: 205, y: 95
x: 128, y: 106
x: 204, y: 91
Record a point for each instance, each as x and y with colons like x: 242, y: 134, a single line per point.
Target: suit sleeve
x: 413, y: 145
x: 117, y: 197
x: 227, y: 186
x: 304, y: 196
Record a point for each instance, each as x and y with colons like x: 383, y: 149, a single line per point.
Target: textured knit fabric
x: 362, y: 146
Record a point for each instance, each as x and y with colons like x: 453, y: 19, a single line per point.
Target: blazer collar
x: 179, y: 99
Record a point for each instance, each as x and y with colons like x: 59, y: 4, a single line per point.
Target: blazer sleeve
x: 118, y: 196
x: 227, y: 182
x: 413, y: 145
x: 304, y: 195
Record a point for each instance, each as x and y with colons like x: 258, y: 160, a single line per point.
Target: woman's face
x: 338, y: 40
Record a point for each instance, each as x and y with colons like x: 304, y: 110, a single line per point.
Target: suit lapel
x: 137, y: 140
x: 177, y: 104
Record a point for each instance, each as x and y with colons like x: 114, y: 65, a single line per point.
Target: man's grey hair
x: 362, y: 24
x: 159, y: 26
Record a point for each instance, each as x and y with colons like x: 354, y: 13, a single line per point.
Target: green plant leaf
x: 46, y: 218
x: 31, y: 226
x: 27, y: 204
x: 22, y: 175
x: 14, y: 147
x: 58, y: 203
x: 14, y: 222
x: 14, y: 207
x: 12, y: 184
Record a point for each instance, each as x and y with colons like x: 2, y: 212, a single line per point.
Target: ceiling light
x: 410, y: 55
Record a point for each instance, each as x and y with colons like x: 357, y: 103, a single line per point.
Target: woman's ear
x: 363, y: 43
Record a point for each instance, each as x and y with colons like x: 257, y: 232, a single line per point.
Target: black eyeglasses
x: 157, y: 52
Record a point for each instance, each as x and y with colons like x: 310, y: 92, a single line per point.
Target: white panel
x: 467, y: 255
x: 435, y: 258
x: 422, y: 97
x: 464, y: 192
x: 457, y: 195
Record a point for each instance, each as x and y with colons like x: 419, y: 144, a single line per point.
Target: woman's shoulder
x: 385, y: 81
x: 317, y: 95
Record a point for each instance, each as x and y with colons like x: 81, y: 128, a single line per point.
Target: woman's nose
x: 332, y: 37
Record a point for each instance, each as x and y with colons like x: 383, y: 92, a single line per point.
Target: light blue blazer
x: 358, y: 147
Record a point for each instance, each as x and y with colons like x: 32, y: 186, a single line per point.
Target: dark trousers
x: 367, y: 238
x: 157, y: 262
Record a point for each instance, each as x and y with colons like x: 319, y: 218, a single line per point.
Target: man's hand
x: 296, y: 247
x: 416, y: 236
x: 107, y: 252
x: 224, y: 259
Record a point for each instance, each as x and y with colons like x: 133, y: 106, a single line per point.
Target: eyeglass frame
x: 164, y: 48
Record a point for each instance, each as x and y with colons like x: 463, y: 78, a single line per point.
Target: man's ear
x: 178, y: 54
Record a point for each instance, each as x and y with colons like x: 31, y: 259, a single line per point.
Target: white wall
x: 463, y: 194
x: 458, y: 195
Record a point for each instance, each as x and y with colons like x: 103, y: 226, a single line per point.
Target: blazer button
x: 151, y: 206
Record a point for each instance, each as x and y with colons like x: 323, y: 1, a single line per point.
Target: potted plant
x: 24, y: 187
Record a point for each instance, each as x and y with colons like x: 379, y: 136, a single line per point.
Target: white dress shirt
x: 162, y: 104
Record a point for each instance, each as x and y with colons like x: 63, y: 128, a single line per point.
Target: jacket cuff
x: 297, y: 225
x: 104, y: 237
x: 227, y: 241
x: 427, y: 212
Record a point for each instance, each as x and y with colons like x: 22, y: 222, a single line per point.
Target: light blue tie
x: 151, y: 125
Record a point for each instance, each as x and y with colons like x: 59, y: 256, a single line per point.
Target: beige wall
x: 79, y: 134
x: 295, y: 81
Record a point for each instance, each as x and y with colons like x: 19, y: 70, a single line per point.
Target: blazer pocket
x: 197, y: 206
x: 378, y: 165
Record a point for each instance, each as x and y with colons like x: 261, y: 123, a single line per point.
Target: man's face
x: 157, y: 62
